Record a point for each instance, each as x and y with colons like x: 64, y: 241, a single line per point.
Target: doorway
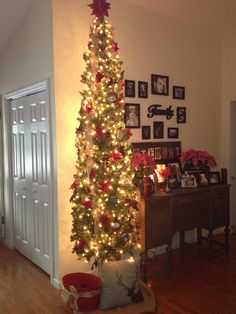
x: 30, y: 173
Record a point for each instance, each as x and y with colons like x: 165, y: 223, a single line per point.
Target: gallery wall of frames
x: 157, y: 113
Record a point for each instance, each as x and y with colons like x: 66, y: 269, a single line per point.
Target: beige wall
x: 149, y: 43
x: 28, y: 59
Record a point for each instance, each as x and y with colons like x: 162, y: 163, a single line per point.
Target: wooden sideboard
x: 164, y: 214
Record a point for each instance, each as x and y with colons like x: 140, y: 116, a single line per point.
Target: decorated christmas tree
x: 104, y: 197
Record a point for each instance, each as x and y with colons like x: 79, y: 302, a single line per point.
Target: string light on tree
x: 103, y: 199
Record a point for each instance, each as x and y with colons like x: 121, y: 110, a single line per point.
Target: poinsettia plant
x: 143, y: 164
x: 198, y: 158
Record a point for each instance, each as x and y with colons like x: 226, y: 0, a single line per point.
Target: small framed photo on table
x: 188, y: 181
x: 202, y: 179
x: 214, y: 177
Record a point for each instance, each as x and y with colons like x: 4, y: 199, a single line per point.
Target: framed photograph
x: 202, y: 179
x: 142, y: 89
x: 132, y: 115
x: 173, y: 132
x: 178, y: 92
x: 146, y: 132
x: 188, y: 181
x: 175, y: 168
x: 158, y: 129
x: 160, y: 84
x: 181, y: 114
x: 129, y: 88
x: 214, y: 177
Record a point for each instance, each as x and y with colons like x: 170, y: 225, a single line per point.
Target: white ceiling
x: 218, y: 16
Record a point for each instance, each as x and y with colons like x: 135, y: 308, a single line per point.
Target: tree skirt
x: 146, y: 306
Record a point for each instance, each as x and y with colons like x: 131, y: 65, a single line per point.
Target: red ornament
x: 73, y: 185
x: 120, y: 101
x: 81, y: 244
x: 93, y: 173
x: 99, y: 133
x: 79, y: 131
x: 115, y: 47
x: 116, y: 156
x: 100, y: 8
x: 99, y: 77
x: 86, y: 204
x: 105, y: 220
x: 104, y: 186
x: 128, y: 133
x: 90, y: 45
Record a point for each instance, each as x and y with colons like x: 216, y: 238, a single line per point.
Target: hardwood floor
x: 198, y: 285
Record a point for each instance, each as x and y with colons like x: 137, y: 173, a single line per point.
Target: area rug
x: 148, y: 305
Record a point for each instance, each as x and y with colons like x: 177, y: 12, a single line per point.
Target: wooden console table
x: 164, y: 214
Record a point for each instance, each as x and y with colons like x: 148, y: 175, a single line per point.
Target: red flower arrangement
x: 143, y: 164
x: 166, y: 172
x: 198, y: 158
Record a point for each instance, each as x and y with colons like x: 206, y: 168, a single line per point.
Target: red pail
x: 81, y: 291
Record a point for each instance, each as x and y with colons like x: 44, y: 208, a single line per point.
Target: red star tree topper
x: 104, y: 197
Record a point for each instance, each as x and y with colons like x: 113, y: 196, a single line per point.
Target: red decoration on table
x: 104, y: 186
x: 86, y: 203
x: 73, y: 185
x: 105, y: 220
x: 100, y: 8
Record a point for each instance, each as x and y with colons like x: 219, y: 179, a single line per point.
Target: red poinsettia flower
x: 86, y: 203
x: 99, y: 77
x: 115, y: 47
x: 116, y: 156
x: 166, y: 172
x: 104, y: 186
x: 100, y: 8
x: 73, y: 185
x: 105, y: 220
x: 99, y: 133
x: 128, y: 133
x: 195, y: 156
x: 143, y: 164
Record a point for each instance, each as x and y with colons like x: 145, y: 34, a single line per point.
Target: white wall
x: 28, y: 59
x: 228, y: 135
x: 149, y: 43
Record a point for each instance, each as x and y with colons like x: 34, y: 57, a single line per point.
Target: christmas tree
x: 103, y: 199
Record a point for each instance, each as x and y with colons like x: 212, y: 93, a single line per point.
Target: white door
x: 31, y: 172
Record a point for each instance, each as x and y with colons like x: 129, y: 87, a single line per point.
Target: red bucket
x: 81, y: 291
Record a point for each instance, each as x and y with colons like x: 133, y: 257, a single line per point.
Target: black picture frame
x: 173, y: 132
x: 214, y: 178
x: 178, y: 92
x: 142, y: 89
x: 202, y: 179
x: 181, y: 114
x: 160, y: 84
x: 158, y: 129
x: 129, y: 88
x: 146, y: 132
x: 132, y: 116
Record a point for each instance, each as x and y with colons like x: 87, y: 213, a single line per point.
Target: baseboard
x: 56, y: 283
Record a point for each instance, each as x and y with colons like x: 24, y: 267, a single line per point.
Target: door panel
x: 31, y: 171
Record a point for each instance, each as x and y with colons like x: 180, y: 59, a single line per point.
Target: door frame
x: 8, y: 173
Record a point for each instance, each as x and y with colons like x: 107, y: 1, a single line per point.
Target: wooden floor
x: 198, y: 285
